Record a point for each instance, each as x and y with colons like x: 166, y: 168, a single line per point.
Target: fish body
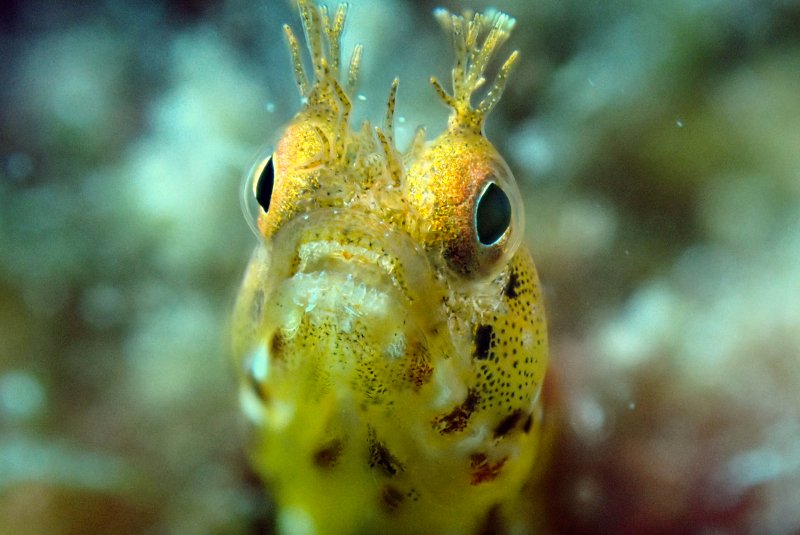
x: 389, y: 335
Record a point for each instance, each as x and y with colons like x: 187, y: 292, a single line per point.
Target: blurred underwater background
x: 658, y: 148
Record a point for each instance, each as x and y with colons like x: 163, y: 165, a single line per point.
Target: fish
x: 389, y: 336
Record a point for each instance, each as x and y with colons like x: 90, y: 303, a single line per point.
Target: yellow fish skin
x: 389, y: 335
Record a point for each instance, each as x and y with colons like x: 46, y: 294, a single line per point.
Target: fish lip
x: 352, y: 261
x: 381, y: 256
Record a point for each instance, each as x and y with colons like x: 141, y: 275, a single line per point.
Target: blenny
x: 389, y: 335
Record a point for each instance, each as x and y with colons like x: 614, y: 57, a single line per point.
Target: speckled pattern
x: 390, y: 361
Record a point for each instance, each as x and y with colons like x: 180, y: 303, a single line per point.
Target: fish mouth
x: 357, y: 255
x: 372, y: 269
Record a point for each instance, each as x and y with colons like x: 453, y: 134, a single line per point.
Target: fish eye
x: 494, y: 231
x: 257, y: 189
x: 264, y: 185
x: 492, y: 214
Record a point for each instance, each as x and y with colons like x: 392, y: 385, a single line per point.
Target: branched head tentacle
x: 299, y: 72
x: 391, y: 102
x: 386, y: 136
x: 472, y: 56
x: 326, y: 98
x: 352, y: 72
x: 323, y: 35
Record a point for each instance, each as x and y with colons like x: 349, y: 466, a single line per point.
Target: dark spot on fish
x: 381, y: 457
x: 276, y: 345
x: 391, y: 498
x: 484, y: 471
x: 512, y: 285
x: 483, y: 341
x: 494, y: 524
x: 328, y: 455
x: 508, y: 423
x: 457, y: 419
x: 420, y: 369
x: 526, y: 427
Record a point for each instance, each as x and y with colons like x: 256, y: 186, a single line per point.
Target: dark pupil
x: 264, y: 185
x: 493, y: 215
